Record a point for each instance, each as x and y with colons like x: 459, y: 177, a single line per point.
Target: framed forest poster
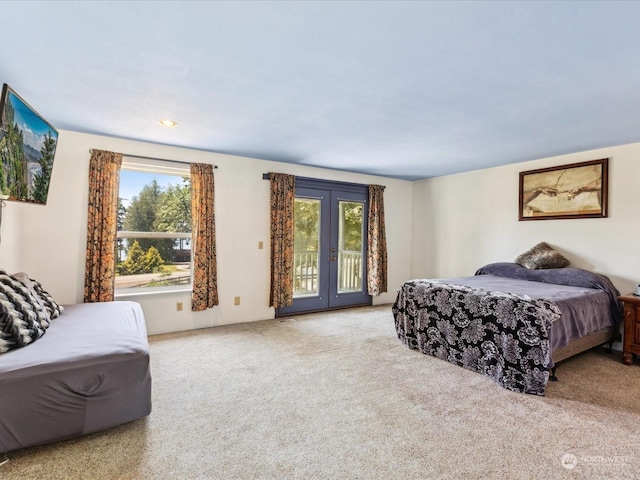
x: 27, y: 149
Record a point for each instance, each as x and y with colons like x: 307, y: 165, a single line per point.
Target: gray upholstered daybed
x: 87, y: 371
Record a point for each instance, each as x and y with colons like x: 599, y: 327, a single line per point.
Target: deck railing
x: 350, y: 271
x: 305, y: 272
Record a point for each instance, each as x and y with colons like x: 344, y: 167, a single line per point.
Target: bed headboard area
x: 575, y: 277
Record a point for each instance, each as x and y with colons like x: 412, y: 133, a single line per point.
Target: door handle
x: 333, y: 259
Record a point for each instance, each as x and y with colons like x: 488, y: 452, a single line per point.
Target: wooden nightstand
x: 631, y: 343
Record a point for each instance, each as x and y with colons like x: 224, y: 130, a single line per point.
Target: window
x: 153, y: 246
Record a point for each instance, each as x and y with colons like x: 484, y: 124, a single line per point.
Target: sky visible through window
x: 132, y: 182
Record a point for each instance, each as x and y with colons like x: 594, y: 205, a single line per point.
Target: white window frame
x: 162, y: 167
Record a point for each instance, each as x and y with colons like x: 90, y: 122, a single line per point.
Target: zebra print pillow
x: 23, y: 317
x: 45, y: 298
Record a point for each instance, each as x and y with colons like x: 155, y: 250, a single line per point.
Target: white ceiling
x: 402, y: 89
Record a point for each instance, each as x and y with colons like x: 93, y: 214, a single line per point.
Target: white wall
x: 439, y: 227
x: 48, y: 242
x: 9, y: 236
x: 464, y: 221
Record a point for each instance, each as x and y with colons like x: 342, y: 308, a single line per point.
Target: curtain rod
x: 267, y: 176
x: 143, y: 157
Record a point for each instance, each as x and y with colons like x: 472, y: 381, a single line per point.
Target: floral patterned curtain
x: 205, y: 281
x: 283, y: 193
x: 377, y: 243
x: 104, y: 180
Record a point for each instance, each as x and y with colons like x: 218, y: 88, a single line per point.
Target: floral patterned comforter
x: 501, y: 335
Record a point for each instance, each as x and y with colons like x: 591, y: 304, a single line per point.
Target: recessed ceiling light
x: 168, y: 123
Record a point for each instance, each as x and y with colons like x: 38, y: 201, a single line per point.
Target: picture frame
x: 576, y: 190
x: 27, y: 150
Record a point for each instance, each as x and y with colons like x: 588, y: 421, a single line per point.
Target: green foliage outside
x: 120, y: 243
x: 351, y: 213
x: 138, y: 261
x: 306, y: 216
x: 152, y: 260
x: 154, y: 209
x: 141, y: 217
x: 307, y: 224
x: 174, y: 210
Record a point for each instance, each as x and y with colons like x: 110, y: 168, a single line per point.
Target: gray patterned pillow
x: 45, y: 298
x: 23, y: 317
x: 542, y: 256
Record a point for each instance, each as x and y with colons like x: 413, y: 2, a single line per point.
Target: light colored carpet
x: 337, y: 396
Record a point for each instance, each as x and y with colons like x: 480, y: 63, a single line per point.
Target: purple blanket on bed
x: 575, y: 277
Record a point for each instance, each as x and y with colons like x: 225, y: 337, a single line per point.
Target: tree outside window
x: 154, y: 233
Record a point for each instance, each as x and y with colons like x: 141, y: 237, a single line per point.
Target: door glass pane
x: 350, y: 246
x: 306, y: 246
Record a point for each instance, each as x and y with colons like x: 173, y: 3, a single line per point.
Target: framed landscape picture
x: 27, y: 149
x: 577, y: 190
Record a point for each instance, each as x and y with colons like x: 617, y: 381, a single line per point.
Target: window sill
x: 152, y: 293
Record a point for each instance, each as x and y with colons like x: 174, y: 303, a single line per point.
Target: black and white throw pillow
x: 23, y: 317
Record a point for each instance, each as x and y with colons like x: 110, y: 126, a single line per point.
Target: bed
x: 508, y: 322
x: 89, y: 371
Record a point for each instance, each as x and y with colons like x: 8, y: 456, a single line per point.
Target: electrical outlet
x: 260, y: 245
x: 179, y: 306
x: 236, y: 301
